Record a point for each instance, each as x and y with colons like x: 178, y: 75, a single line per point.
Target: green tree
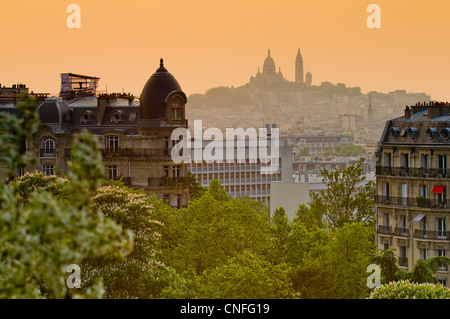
x: 422, y: 272
x: 280, y: 229
x: 388, y: 264
x: 42, y: 234
x: 212, y: 229
x: 310, y: 218
x: 14, y: 133
x: 346, y: 198
x: 245, y: 276
x: 348, y: 255
x: 141, y: 273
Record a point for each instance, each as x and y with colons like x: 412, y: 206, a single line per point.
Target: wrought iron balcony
x: 184, y: 181
x: 137, y: 152
x: 412, y: 202
x: 401, y: 231
x: 413, y: 171
x: 432, y: 234
x: 384, y: 229
x: 48, y: 152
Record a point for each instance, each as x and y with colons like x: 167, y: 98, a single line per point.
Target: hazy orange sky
x: 222, y: 43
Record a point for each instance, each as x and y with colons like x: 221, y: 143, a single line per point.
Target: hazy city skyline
x: 208, y: 44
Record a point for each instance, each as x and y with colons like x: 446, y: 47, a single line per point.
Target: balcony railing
x: 443, y: 268
x: 185, y: 181
x: 48, y: 152
x: 128, y: 152
x: 401, y: 231
x: 432, y: 234
x: 384, y: 229
x: 412, y: 202
x: 136, y: 152
x: 413, y: 172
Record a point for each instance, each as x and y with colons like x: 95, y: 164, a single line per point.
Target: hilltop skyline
x: 207, y: 45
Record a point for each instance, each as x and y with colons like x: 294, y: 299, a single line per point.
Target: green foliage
x: 422, y: 272
x: 346, y: 150
x: 245, y: 276
x: 348, y: 256
x: 280, y: 229
x: 15, y: 132
x: 140, y: 274
x: 408, y: 290
x: 331, y: 264
x: 211, y: 230
x: 42, y: 232
x: 387, y: 261
x: 346, y: 198
x: 309, y: 217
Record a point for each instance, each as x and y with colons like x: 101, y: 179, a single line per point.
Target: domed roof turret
x: 269, y: 65
x: 155, y: 93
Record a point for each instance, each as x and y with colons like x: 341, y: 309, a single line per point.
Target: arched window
x: 48, y: 147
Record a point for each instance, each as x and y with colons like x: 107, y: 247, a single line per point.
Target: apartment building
x: 134, y: 133
x: 412, y: 201
x: 244, y: 177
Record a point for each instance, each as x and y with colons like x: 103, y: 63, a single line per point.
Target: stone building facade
x: 135, y: 135
x: 412, y: 201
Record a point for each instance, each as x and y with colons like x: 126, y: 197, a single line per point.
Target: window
x: 423, y: 254
x: 177, y: 171
x: 441, y: 164
x: 166, y: 143
x: 423, y: 191
x: 385, y: 192
x: 403, y: 257
x: 441, y: 253
x: 48, y: 170
x: 112, y: 143
x: 423, y: 224
x: 441, y: 227
x: 425, y: 161
x: 176, y: 114
x: 386, y: 219
x: 404, y: 163
x: 176, y: 201
x: 385, y: 246
x: 404, y: 194
x: 118, y: 116
x: 387, y: 159
x: 112, y: 172
x: 166, y: 171
x: 132, y: 116
x: 403, y: 223
x: 48, y: 147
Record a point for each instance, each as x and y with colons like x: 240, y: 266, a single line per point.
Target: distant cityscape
x: 322, y: 126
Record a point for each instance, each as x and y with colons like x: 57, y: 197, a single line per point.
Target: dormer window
x: 118, y: 116
x: 177, y: 111
x: 87, y: 117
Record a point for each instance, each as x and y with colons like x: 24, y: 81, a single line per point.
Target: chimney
x: 407, y: 112
x: 102, y: 100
